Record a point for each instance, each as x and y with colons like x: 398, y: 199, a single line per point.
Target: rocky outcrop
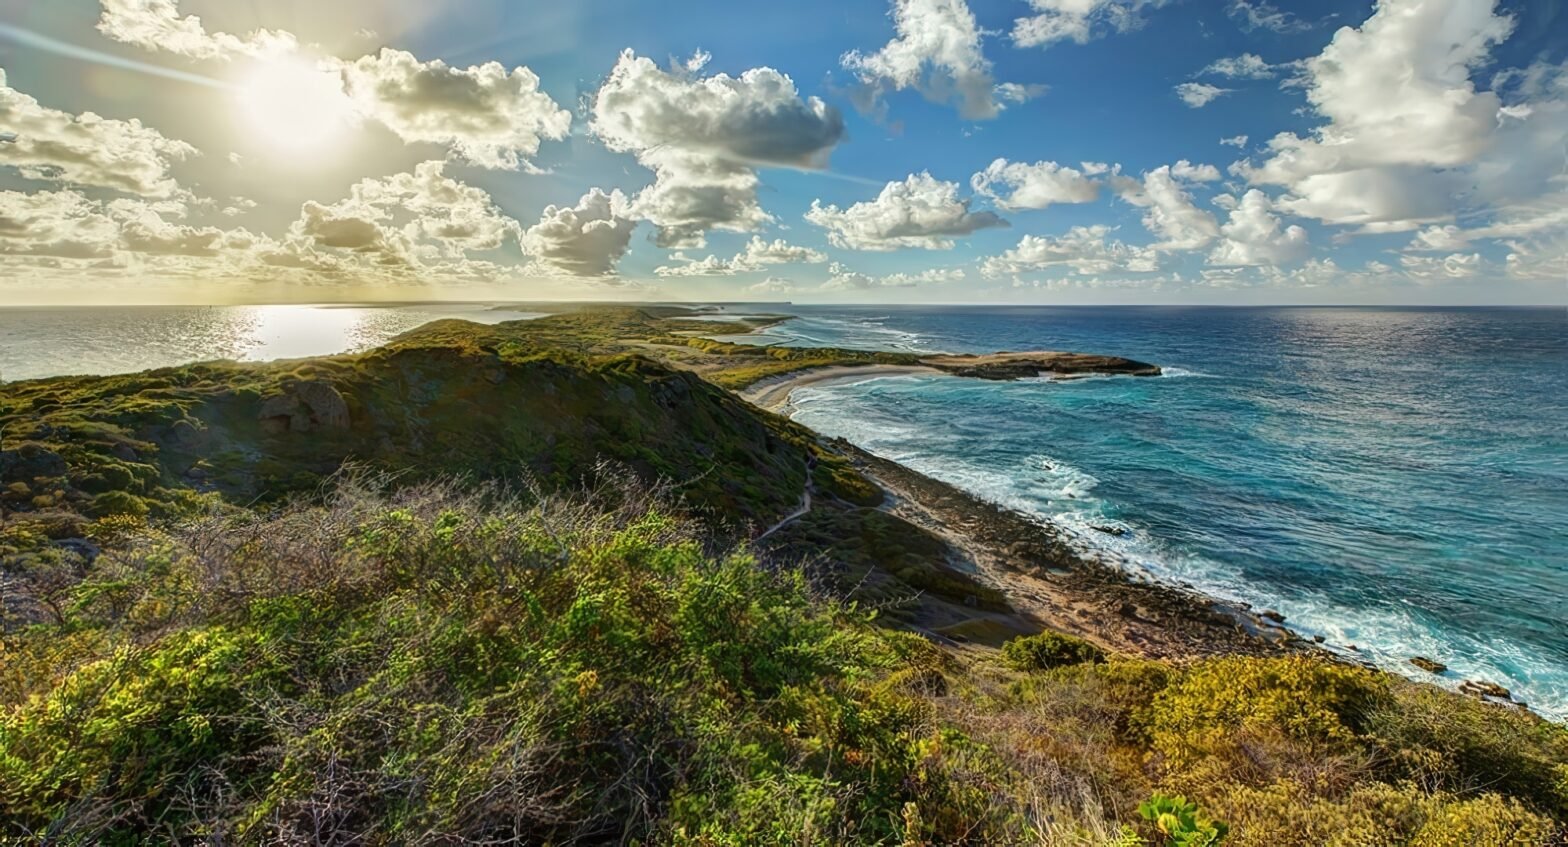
x: 1429, y: 665
x: 304, y: 406
x: 28, y: 462
x: 1010, y: 366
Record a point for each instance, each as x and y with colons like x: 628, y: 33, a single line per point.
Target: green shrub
x: 1049, y: 650
x: 1316, y: 705
x: 1462, y: 744
x: 119, y: 503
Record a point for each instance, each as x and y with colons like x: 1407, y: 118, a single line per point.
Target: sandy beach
x: 773, y: 393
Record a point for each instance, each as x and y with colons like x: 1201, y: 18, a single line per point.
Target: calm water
x: 40, y: 342
x: 1394, y: 479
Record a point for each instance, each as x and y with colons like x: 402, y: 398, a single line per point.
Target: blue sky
x: 1411, y: 151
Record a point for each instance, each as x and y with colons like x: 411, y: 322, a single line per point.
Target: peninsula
x: 568, y: 581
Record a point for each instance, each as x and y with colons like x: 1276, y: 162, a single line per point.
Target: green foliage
x: 1049, y: 650
x: 1180, y: 824
x: 1220, y: 704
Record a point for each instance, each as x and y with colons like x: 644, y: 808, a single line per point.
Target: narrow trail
x: 805, y: 507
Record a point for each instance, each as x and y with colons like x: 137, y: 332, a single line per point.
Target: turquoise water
x: 1393, y: 479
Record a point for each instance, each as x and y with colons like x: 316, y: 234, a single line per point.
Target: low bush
x: 1049, y: 650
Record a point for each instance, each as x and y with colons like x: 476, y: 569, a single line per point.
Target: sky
x: 1230, y: 152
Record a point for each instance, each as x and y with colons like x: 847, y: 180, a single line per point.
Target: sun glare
x: 292, y: 105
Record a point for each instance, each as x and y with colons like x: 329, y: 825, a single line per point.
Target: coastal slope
x: 555, y: 582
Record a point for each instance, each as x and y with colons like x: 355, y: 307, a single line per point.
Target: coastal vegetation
x: 552, y: 583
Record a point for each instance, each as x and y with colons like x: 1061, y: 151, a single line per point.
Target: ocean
x: 1390, y: 479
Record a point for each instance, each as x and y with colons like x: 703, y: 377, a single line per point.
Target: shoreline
x: 773, y: 393
x: 1054, y: 584
x: 1050, y: 583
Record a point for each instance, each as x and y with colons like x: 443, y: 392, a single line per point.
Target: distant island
x: 569, y: 580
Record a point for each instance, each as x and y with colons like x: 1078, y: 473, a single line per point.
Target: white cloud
x: 157, y: 25
x: 1169, y: 210
x: 758, y: 254
x: 1434, y: 268
x: 59, y: 224
x: 1199, y: 94
x: 1017, y: 185
x: 704, y: 139
x: 1083, y: 249
x: 1186, y: 170
x: 1254, y: 236
x: 1245, y: 66
x: 920, y: 211
x: 1260, y: 14
x: 409, y: 219
x: 1078, y: 20
x: 936, y: 51
x: 773, y: 285
x: 490, y: 116
x: 1448, y: 237
x: 1403, y: 119
x: 89, y: 150
x: 842, y: 278
x: 1234, y: 141
x: 588, y: 240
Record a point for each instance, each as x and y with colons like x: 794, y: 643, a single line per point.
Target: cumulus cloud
x: 1084, y: 250
x: 1186, y: 170
x: 587, y: 240
x: 841, y: 278
x: 937, y: 51
x: 86, y: 149
x: 59, y: 224
x: 157, y: 25
x: 1199, y: 94
x: 1407, y: 132
x: 408, y: 219
x: 486, y: 114
x: 1255, y: 236
x: 1169, y: 212
x: 1234, y: 141
x: 1245, y: 66
x: 920, y: 211
x: 704, y: 138
x: 1017, y: 185
x: 757, y: 255
x: 1078, y: 20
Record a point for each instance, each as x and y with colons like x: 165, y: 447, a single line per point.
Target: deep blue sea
x: 1394, y: 479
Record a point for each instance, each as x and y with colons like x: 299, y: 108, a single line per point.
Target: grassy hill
x: 497, y: 585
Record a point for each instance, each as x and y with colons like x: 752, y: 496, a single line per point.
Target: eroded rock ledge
x: 1010, y: 366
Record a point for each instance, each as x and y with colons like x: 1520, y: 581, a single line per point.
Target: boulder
x: 1428, y: 665
x: 304, y: 406
x: 1485, y: 690
x: 28, y: 462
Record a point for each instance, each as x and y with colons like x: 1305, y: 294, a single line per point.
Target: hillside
x: 552, y: 582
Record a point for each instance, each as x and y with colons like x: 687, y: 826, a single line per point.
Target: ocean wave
x: 1065, y: 497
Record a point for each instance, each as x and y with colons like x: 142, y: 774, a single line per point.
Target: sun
x: 292, y: 105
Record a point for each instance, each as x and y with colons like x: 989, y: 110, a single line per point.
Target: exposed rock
x: 187, y: 435
x: 1318, y: 639
x: 1484, y: 689
x: 304, y: 407
x: 28, y: 462
x: 1010, y: 366
x: 1428, y: 665
x: 1272, y: 615
x: 1110, y: 530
